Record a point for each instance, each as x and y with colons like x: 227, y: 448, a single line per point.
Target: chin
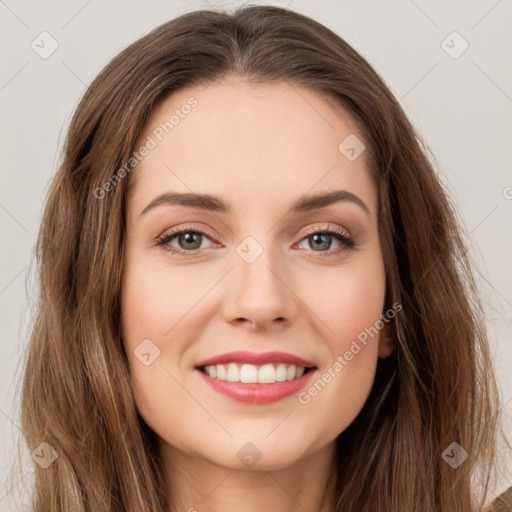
x: 275, y: 453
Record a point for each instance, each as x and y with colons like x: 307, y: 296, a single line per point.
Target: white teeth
x: 281, y: 372
x: 233, y: 373
x: 248, y: 374
x: 221, y: 371
x: 291, y: 372
x: 251, y: 374
x: 267, y: 374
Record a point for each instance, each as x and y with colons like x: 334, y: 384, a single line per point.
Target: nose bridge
x: 259, y: 293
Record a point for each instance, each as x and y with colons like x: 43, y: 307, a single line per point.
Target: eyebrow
x: 216, y: 204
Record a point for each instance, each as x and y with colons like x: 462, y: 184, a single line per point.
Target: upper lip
x: 256, y: 359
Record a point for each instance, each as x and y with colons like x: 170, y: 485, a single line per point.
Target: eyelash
x: 347, y: 242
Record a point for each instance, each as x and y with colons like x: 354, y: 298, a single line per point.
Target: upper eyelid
x: 192, y: 228
x: 321, y: 228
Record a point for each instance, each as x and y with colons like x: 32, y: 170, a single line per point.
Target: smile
x: 254, y: 378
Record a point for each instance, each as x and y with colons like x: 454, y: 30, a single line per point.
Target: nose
x: 259, y: 294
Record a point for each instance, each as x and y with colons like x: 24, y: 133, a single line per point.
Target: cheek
x: 151, y: 306
x: 349, y: 300
x: 153, y: 310
x: 356, y: 307
x: 350, y: 308
x: 155, y: 300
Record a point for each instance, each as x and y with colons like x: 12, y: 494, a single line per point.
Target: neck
x: 196, y: 484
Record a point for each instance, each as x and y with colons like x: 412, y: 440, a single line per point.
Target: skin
x: 260, y: 148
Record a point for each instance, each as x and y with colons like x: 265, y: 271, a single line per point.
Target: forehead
x: 249, y: 142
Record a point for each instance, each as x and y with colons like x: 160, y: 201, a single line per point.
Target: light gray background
x: 462, y: 107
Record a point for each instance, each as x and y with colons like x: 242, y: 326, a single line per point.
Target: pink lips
x: 257, y: 393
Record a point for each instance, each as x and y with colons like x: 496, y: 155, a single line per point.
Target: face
x: 279, y: 287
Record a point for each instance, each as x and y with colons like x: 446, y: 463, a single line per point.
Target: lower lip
x: 258, y: 393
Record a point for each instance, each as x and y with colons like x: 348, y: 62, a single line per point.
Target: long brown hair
x: 437, y: 387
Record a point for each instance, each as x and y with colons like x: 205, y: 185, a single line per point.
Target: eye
x: 187, y: 239
x: 321, y: 240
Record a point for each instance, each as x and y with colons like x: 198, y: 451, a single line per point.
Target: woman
x: 254, y: 292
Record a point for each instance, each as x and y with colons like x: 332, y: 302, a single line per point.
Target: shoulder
x: 503, y: 503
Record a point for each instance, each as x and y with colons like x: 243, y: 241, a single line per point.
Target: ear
x: 387, y: 340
